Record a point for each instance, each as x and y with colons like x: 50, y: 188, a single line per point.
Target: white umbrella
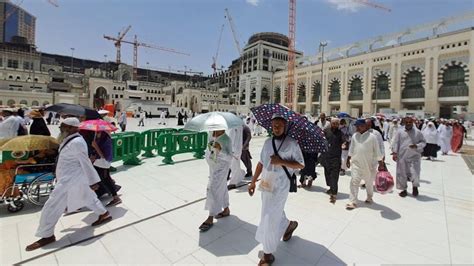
x: 213, y: 121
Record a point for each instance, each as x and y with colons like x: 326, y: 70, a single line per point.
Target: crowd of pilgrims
x: 355, y: 145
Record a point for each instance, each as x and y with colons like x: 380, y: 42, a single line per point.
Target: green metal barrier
x: 149, y: 140
x: 171, y: 144
x: 127, y: 147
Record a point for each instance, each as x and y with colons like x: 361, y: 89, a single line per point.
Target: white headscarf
x: 430, y: 133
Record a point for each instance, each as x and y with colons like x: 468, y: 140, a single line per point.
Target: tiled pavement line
x: 116, y: 229
x: 446, y: 220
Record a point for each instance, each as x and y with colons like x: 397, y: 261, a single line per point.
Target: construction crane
x: 137, y: 44
x: 214, y: 59
x: 374, y: 5
x: 118, y: 41
x: 234, y: 32
x: 54, y: 3
x: 291, y: 52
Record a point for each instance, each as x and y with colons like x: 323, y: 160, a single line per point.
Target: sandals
x: 40, y: 243
x: 103, y: 218
x: 264, y: 262
x: 289, y: 232
x: 205, y: 227
x: 114, y: 202
x: 222, y: 215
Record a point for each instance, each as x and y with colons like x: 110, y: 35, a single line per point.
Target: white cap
x: 103, y: 112
x: 71, y: 121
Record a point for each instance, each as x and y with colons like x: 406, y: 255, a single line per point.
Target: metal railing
x: 356, y: 95
x: 413, y: 93
x: 454, y: 91
x: 381, y: 95
x: 334, y: 97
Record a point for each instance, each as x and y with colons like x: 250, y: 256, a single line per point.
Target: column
x: 396, y: 90
x: 470, y: 83
x: 325, y: 93
x: 431, y: 82
x: 367, y: 103
x: 344, y: 92
x: 308, y: 93
x: 258, y: 92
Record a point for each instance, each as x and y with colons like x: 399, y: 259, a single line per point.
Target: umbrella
x: 343, y: 115
x: 380, y: 115
x: 310, y: 137
x: 74, y: 109
x: 214, y: 121
x: 97, y: 125
x: 29, y: 143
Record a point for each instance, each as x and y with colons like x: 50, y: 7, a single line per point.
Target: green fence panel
x: 149, y: 140
x: 127, y: 147
x: 170, y: 144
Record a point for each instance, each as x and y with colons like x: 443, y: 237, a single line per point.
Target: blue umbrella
x: 310, y: 137
x: 343, y: 115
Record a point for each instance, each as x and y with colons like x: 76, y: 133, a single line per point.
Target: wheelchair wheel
x: 18, y: 206
x: 39, y: 190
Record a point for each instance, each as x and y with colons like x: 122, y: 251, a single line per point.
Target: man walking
x: 322, y: 122
x: 9, y: 125
x: 363, y: 152
x: 331, y: 160
x: 246, y: 157
x: 236, y: 173
x: 141, y: 122
x: 75, y: 176
x: 281, y: 156
x: 123, y: 121
x: 407, y: 148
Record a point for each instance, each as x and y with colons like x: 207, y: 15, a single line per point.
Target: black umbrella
x: 74, y: 109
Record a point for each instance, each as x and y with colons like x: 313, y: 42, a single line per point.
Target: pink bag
x: 384, y: 181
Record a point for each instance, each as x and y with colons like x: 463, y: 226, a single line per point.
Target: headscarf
x: 430, y: 133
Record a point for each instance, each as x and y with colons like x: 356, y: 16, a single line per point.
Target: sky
x: 193, y: 26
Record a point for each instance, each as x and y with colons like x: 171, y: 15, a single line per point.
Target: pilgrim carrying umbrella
x: 310, y: 137
x: 214, y: 121
x: 74, y: 110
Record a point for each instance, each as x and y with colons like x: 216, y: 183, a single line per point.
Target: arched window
x: 265, y: 97
x: 277, y: 95
x: 381, y: 90
x: 10, y: 102
x: 316, y: 91
x: 413, y: 86
x: 356, y: 90
x: 35, y: 103
x: 302, y: 93
x: 335, y: 91
x: 454, y: 83
x: 45, y: 103
x: 23, y: 102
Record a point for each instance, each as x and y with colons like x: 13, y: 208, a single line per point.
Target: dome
x: 271, y: 37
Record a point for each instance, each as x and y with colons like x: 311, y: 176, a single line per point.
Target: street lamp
x: 72, y: 59
x: 321, y: 49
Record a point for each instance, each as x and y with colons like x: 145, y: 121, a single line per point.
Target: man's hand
x: 413, y: 146
x: 95, y: 186
x: 348, y: 163
x: 381, y: 166
x: 394, y: 157
x: 251, y: 189
x: 276, y: 160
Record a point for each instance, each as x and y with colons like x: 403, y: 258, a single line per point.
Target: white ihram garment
x: 219, y: 164
x: 273, y: 222
x: 445, y: 135
x: 237, y: 174
x: 364, y: 152
x: 74, y: 176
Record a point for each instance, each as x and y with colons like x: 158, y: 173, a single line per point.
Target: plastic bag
x: 384, y: 181
x: 268, y: 180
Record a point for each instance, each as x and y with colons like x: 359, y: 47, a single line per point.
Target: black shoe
x: 403, y: 193
x: 415, y: 191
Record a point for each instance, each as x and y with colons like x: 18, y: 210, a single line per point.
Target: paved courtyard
x: 163, y: 205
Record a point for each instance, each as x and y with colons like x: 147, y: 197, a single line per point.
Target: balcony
x: 413, y: 93
x: 334, y: 97
x: 454, y: 91
x: 381, y: 95
x: 356, y: 96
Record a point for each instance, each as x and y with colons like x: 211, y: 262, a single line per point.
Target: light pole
x: 72, y: 59
x: 321, y: 49
x: 147, y: 71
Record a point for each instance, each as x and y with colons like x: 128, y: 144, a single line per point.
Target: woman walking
x: 431, y: 136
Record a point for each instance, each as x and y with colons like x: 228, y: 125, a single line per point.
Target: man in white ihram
x: 273, y: 222
x: 237, y: 174
x: 76, y: 177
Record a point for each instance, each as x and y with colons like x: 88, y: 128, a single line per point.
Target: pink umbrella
x: 97, y: 125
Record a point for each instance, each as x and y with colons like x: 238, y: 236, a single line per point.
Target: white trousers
x: 344, y: 155
x: 55, y: 207
x: 355, y: 184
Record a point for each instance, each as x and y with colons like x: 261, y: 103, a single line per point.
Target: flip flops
x: 289, y: 232
x: 222, y: 215
x: 205, y: 227
x: 103, y: 218
x: 264, y: 262
x: 40, y: 243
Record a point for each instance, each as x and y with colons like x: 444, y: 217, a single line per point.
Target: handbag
x: 268, y: 181
x: 292, y: 178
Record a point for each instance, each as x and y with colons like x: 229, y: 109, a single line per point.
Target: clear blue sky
x: 193, y: 26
